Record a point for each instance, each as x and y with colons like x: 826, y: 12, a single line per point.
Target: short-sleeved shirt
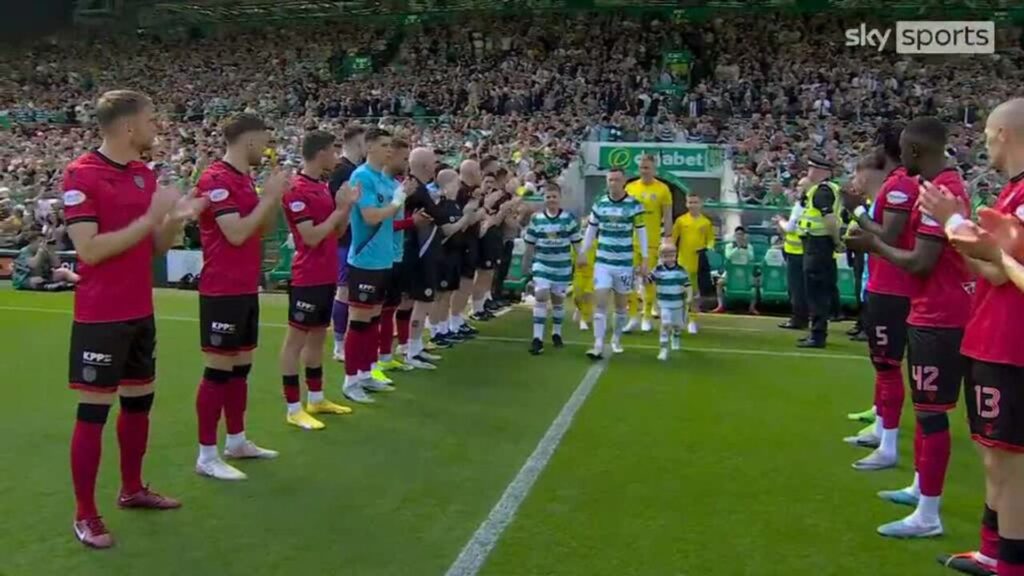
x: 372, y: 246
x: 943, y: 298
x: 112, y: 195
x: 309, y: 200
x: 897, y: 194
x: 996, y: 327
x: 654, y: 197
x: 616, y: 222
x: 552, y: 237
x: 692, y: 235
x: 228, y: 270
x: 670, y: 284
x: 341, y: 174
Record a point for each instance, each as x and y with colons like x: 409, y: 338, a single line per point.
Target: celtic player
x: 551, y: 238
x: 613, y: 220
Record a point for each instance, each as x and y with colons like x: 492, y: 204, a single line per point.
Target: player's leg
x: 290, y: 362
x: 61, y: 274
x: 211, y: 399
x: 358, y: 342
x: 374, y: 379
x: 557, y: 313
x: 602, y: 295
x: 583, y: 297
x: 403, y: 327
x: 481, y: 288
x: 937, y: 371
x: 312, y: 357
x: 665, y: 334
x: 702, y: 287
x: 541, y: 296
x: 236, y: 444
x: 889, y: 339
x: 720, y: 295
x: 339, y: 310
x: 339, y: 320
x: 136, y: 393
x: 622, y: 286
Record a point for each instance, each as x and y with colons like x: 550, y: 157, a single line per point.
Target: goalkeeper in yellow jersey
x: 656, y: 199
x: 583, y: 289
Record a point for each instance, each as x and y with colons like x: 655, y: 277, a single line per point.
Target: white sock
x: 600, y: 326
x: 915, y: 488
x: 664, y: 335
x: 455, y: 322
x: 294, y: 407
x: 928, y: 509
x: 207, y: 453
x: 415, y: 347
x: 386, y: 358
x: 234, y: 440
x: 540, y: 317
x: 315, y: 397
x: 557, y: 316
x: 889, y: 438
x: 478, y: 305
x: 878, y: 426
x: 620, y: 323
x: 339, y: 347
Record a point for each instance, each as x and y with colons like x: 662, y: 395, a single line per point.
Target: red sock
x: 1011, y: 557
x: 370, y: 345
x: 935, y: 448
x: 893, y: 393
x: 86, y: 448
x: 918, y: 448
x: 990, y: 534
x: 315, y: 379
x: 290, y: 383
x: 236, y: 399
x: 402, y: 319
x: 209, y: 404
x: 355, y: 345
x: 386, y: 331
x: 133, y: 437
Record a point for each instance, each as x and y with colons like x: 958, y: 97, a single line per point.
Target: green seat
x: 515, y: 282
x: 282, y: 272
x: 847, y: 287
x: 774, y: 287
x: 739, y: 283
x: 715, y: 260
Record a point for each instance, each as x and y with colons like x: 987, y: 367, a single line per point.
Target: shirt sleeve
x: 686, y: 279
x: 80, y: 197
x: 709, y: 231
x: 368, y: 197
x: 222, y: 200
x: 901, y: 197
x: 638, y: 216
x: 296, y: 209
x: 575, y: 236
x: 594, y: 219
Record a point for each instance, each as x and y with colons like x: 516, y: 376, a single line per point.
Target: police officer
x: 819, y: 229
x: 793, y: 248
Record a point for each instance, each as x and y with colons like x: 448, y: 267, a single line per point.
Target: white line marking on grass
x: 479, y: 547
x: 736, y: 351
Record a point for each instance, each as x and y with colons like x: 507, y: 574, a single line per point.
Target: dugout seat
x: 282, y: 272
x: 773, y: 284
x: 739, y: 283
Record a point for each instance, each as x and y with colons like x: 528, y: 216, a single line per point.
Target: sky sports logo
x: 928, y: 37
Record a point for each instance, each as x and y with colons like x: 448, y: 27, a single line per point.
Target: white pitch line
x: 480, y: 545
x: 734, y: 351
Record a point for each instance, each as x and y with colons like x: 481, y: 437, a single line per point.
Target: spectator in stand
x: 37, y: 267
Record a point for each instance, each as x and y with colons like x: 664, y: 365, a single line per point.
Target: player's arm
x: 94, y: 248
x: 996, y: 274
x: 374, y: 215
x: 709, y: 237
x: 236, y: 228
x: 589, y: 236
x: 1012, y: 271
x: 527, y: 264
x: 641, y: 236
x: 919, y: 261
x: 313, y: 234
x: 666, y: 218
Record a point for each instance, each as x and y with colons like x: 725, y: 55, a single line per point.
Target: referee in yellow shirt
x: 656, y: 199
x: 693, y: 234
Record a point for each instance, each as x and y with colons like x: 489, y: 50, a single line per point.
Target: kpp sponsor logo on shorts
x: 928, y: 37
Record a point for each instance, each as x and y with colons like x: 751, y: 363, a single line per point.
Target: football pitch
x: 725, y: 461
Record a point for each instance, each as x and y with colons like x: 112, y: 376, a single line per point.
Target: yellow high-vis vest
x: 793, y: 244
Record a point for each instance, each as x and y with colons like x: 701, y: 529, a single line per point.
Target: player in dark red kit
x: 118, y: 218
x: 888, y: 304
x: 315, y: 219
x: 992, y: 346
x: 939, y: 308
x: 231, y: 230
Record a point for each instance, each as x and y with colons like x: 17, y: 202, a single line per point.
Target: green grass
x: 725, y: 461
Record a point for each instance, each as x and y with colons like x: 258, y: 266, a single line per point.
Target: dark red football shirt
x: 309, y: 200
x: 97, y: 189
x: 943, y: 298
x: 898, y: 193
x: 228, y: 270
x: 995, y: 332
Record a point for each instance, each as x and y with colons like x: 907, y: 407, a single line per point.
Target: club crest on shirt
x: 219, y: 195
x: 897, y: 197
x: 1019, y: 212
x: 74, y: 197
x: 452, y: 219
x: 380, y: 198
x: 139, y: 181
x: 444, y: 284
x: 968, y: 287
x: 297, y: 206
x: 428, y: 292
x: 89, y: 374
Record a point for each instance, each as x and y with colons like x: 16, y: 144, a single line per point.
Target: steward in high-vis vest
x: 819, y: 229
x: 793, y: 248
